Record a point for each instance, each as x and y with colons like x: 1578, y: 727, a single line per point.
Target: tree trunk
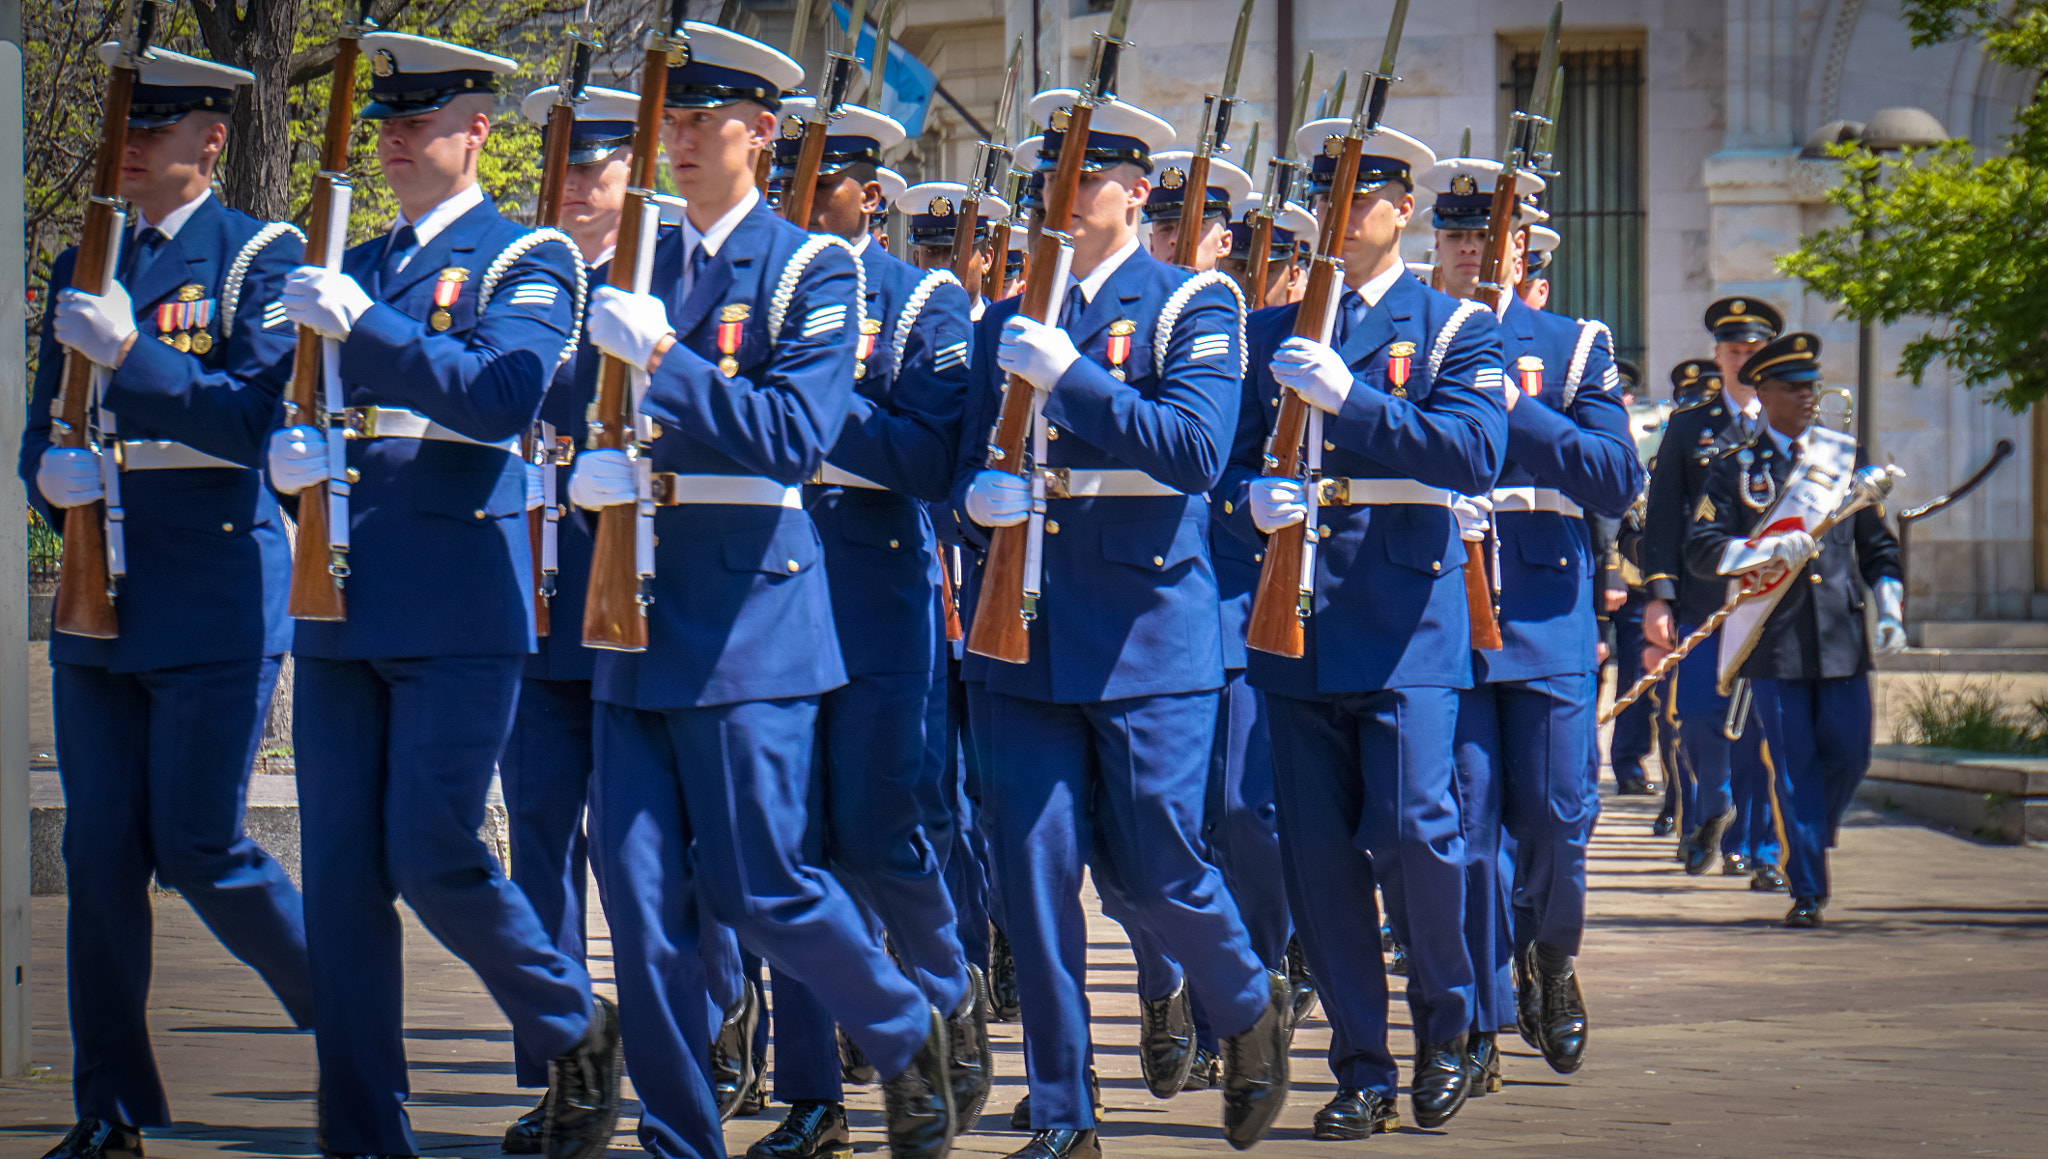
x: 256, y: 171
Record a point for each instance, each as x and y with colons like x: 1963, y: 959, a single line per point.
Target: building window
x: 1596, y: 201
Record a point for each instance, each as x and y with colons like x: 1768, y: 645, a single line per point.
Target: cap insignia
x: 1173, y: 178
x: 382, y: 63
x: 1061, y: 118
x: 1799, y: 344
x: 1333, y: 145
x: 1738, y: 306
x: 1463, y: 185
x: 792, y: 128
x: 942, y: 207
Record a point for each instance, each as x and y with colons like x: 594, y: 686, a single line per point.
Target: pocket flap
x: 779, y: 549
x: 1421, y: 538
x: 1154, y: 544
x: 471, y: 496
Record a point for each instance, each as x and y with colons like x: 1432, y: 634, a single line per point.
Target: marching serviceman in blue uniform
x: 157, y: 727
x: 448, y: 329
x: 545, y: 769
x: 1728, y: 807
x: 1228, y: 185
x: 885, y: 819
x: 1286, y: 274
x: 1362, y: 724
x: 705, y: 741
x: 1808, y: 659
x: 1534, y: 700
x: 931, y: 233
x: 1099, y: 744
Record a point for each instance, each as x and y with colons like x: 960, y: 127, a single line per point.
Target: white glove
x: 1474, y: 514
x: 601, y: 479
x: 327, y: 301
x: 1313, y: 371
x: 1277, y: 502
x: 96, y: 325
x: 298, y: 459
x: 998, y: 499
x: 1891, y: 615
x: 1038, y: 353
x: 69, y: 476
x: 625, y: 325
x: 1791, y: 548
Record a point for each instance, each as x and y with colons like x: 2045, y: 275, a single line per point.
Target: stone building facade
x: 1719, y: 97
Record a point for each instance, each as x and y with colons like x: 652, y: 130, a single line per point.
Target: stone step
x: 272, y: 819
x: 1989, y: 796
x: 1966, y: 660
x: 2031, y: 634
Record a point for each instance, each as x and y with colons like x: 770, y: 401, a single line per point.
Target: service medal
x: 202, y: 317
x: 446, y: 291
x: 1119, y: 348
x: 1400, y: 364
x: 731, y: 321
x: 1529, y: 369
x: 166, y: 323
x: 865, y: 346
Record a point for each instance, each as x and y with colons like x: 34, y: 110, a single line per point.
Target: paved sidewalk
x: 1915, y: 1023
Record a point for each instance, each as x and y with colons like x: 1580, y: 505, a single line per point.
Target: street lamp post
x: 1887, y: 131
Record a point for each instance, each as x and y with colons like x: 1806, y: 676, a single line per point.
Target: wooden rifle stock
x: 964, y: 220
x: 316, y: 592
x: 1193, y: 204
x: 547, y: 212
x: 803, y: 182
x: 1262, y: 242
x: 85, y: 598
x: 1279, y: 615
x: 614, y: 615
x: 1494, y: 265
x: 999, y: 257
x: 1000, y: 630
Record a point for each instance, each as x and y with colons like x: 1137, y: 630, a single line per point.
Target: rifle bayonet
x: 1379, y: 83
x: 879, y: 70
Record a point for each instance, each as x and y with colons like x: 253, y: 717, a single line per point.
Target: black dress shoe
x: 1166, y: 1041
x: 1060, y: 1143
x: 1207, y: 1071
x: 1002, y: 979
x: 1528, y: 1001
x: 1298, y: 978
x: 1397, y: 961
x: 583, y: 1090
x: 1703, y: 845
x: 813, y: 1129
x: 1357, y: 1114
x: 732, y: 1051
x: 1666, y: 822
x: 1736, y: 865
x: 1482, y: 1063
x: 1805, y: 914
x: 854, y: 1068
x: 1562, y: 1018
x: 754, y: 1099
x: 524, y: 1136
x: 918, y: 1103
x: 92, y: 1138
x: 974, y: 1072
x: 1767, y: 879
x: 1632, y: 787
x: 1255, y: 1068
x: 1439, y: 1087
x: 1020, y: 1115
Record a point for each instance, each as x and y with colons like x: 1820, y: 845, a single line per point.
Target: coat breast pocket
x: 1420, y: 538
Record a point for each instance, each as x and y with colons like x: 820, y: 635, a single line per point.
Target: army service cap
x: 1793, y: 358
x: 1744, y: 319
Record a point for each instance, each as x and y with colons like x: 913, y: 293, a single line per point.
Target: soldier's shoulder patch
x: 1705, y: 510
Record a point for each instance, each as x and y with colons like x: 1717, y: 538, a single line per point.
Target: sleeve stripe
x: 1491, y: 377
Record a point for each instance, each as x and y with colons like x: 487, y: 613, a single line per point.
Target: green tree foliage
x: 1951, y: 235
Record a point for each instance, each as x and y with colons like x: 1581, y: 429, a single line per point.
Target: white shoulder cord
x: 1169, y: 316
x: 911, y: 309
x: 1589, y: 333
x: 238, y: 271
x: 519, y: 249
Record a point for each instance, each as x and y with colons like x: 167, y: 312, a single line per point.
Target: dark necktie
x: 698, y: 260
x: 401, y: 245
x: 1351, y: 309
x: 142, y: 254
x: 1070, y: 312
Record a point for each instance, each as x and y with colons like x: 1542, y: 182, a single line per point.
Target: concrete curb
x: 272, y: 819
x: 1990, y: 796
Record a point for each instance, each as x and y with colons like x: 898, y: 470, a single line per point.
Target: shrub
x: 1973, y: 715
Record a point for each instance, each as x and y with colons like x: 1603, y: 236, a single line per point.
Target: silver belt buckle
x: 1057, y: 483
x: 360, y: 422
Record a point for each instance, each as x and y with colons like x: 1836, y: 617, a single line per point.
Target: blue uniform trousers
x: 1635, y: 727
x: 1117, y: 784
x: 967, y: 861
x: 395, y: 760
x: 545, y: 774
x: 1819, y: 733
x: 1725, y: 774
x: 1550, y: 797
x: 1367, y: 788
x: 977, y: 729
x: 155, y: 767
x: 711, y: 803
x: 1489, y: 874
